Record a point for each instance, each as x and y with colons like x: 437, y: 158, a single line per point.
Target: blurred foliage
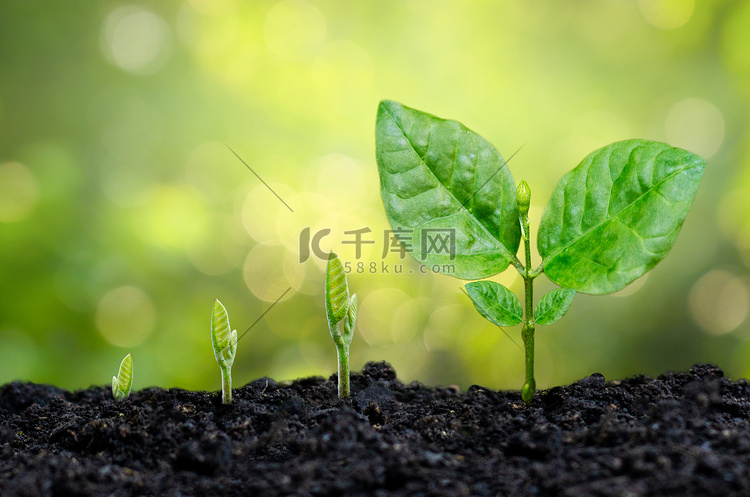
x: 123, y: 213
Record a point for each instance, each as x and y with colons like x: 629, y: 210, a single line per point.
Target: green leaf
x: 220, y: 334
x: 617, y: 214
x: 122, y: 383
x: 495, y: 302
x: 553, y: 306
x: 439, y: 175
x: 337, y: 290
x: 228, y: 353
x: 351, y: 313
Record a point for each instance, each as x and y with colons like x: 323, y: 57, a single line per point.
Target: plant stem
x: 226, y: 386
x: 343, y: 356
x: 529, y: 387
x: 527, y: 333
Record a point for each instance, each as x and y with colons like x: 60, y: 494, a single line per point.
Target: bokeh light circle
x: 719, y: 302
x: 136, y: 40
x: 387, y: 316
x: 695, y: 125
x: 261, y: 210
x: 667, y: 14
x: 443, y: 326
x: 271, y: 270
x: 125, y: 316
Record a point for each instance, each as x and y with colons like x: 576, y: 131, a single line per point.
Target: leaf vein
x: 502, y: 248
x: 559, y: 250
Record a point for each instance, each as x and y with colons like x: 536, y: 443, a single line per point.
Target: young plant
x: 340, y: 308
x: 122, y: 383
x: 610, y: 220
x: 225, y: 348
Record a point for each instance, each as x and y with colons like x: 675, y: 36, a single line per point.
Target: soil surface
x: 679, y: 434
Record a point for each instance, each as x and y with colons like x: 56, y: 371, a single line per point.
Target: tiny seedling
x: 225, y: 348
x: 340, y: 308
x: 450, y: 196
x: 122, y: 383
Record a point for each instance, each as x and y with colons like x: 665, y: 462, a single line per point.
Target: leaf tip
x: 387, y: 109
x: 386, y: 104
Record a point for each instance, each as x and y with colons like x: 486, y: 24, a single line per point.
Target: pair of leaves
x: 123, y: 382
x: 501, y: 306
x: 223, y: 340
x: 610, y: 220
x: 339, y: 305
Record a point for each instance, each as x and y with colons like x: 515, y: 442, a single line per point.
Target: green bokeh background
x: 123, y: 214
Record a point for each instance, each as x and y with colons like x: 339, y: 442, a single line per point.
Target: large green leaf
x: 439, y: 175
x: 495, y: 302
x: 617, y: 214
x: 553, y: 306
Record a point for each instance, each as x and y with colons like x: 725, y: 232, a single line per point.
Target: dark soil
x: 679, y: 434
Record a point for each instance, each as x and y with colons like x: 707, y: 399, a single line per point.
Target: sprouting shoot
x: 122, y: 383
x: 225, y: 347
x: 340, y: 308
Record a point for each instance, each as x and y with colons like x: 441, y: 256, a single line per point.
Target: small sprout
x: 225, y: 348
x: 523, y: 200
x: 340, y: 308
x: 122, y: 383
x: 609, y: 221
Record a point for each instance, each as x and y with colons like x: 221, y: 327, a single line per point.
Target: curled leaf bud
x: 523, y: 197
x: 122, y: 383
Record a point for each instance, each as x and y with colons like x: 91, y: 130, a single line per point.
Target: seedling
x: 610, y: 220
x: 340, y: 308
x: 122, y: 383
x: 225, y: 348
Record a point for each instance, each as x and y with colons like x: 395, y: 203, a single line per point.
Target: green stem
x: 226, y: 385
x: 529, y: 387
x: 343, y: 355
x: 527, y: 333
